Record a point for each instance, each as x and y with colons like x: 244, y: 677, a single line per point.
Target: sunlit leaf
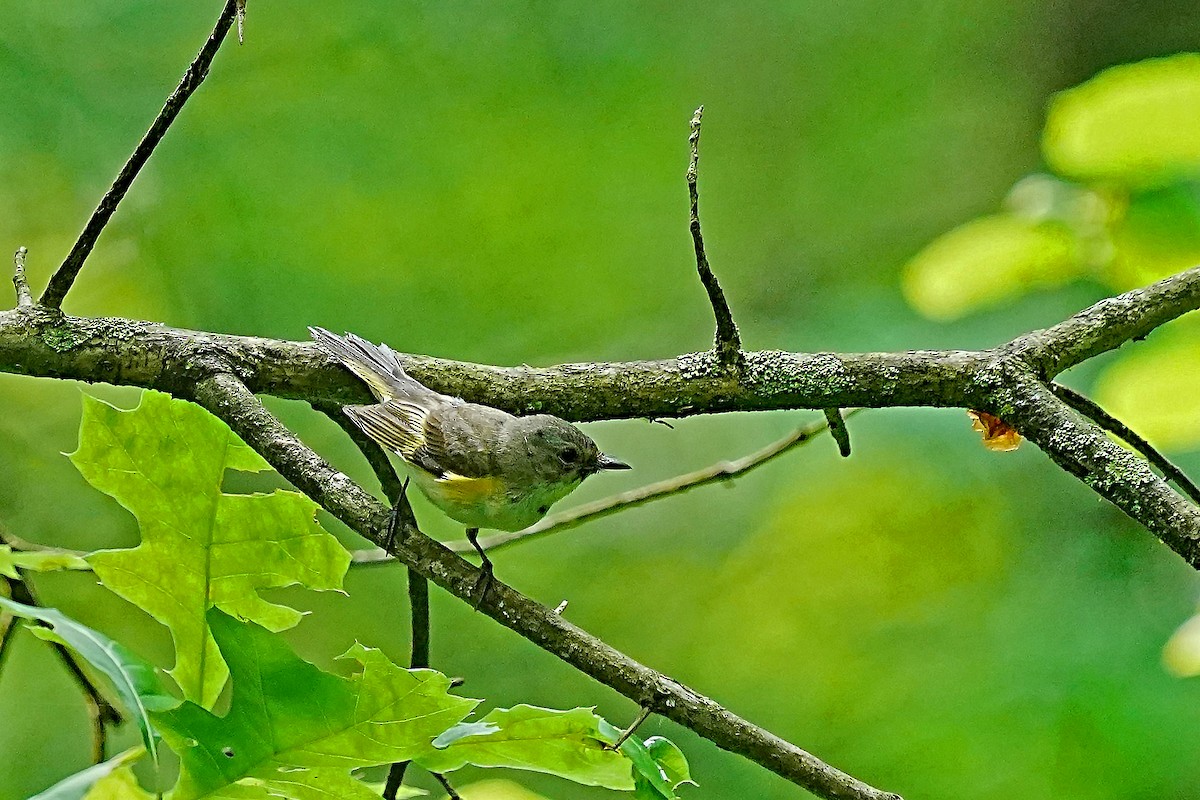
x: 295, y: 731
x: 989, y: 260
x: 497, y: 790
x: 1156, y: 391
x: 136, y: 682
x: 37, y: 561
x: 1136, y: 124
x: 569, y: 744
x: 164, y: 461
x: 110, y: 780
x: 1181, y: 654
x: 1157, y: 235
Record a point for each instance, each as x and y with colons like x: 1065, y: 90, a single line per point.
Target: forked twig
x: 1090, y: 409
x: 197, y: 71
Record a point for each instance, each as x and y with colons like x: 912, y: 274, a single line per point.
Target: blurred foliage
x: 504, y: 183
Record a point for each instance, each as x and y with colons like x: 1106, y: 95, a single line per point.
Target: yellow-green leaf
x: 989, y: 260
x: 165, y: 461
x: 1135, y: 124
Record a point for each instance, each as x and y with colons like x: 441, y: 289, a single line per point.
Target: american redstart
x: 482, y: 466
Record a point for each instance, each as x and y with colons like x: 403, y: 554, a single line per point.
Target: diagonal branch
x: 65, y: 276
x: 1108, y: 422
x: 229, y: 399
x: 727, y: 343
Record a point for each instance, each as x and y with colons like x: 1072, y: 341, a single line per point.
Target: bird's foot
x: 483, y: 584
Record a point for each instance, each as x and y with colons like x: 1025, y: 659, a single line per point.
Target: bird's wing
x: 412, y: 432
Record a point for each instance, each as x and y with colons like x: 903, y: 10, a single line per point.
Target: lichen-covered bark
x: 226, y: 397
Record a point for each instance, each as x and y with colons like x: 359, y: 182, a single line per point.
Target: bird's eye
x: 568, y: 455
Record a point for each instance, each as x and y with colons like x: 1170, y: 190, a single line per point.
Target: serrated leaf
x: 164, y: 461
x: 1156, y: 391
x: 98, y: 782
x: 295, y: 731
x: 569, y: 744
x: 1136, y: 124
x: 136, y: 681
x: 37, y: 561
x: 989, y: 260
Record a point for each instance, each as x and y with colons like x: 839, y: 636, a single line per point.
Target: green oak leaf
x: 164, y: 461
x: 37, y: 561
x: 1134, y: 124
x: 295, y: 731
x: 108, y: 780
x: 136, y: 682
x: 569, y: 744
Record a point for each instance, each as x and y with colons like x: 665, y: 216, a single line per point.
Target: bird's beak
x: 608, y: 462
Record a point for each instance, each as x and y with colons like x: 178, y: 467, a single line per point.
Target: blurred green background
x: 504, y: 183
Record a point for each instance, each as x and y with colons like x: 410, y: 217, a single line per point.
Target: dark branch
x: 61, y: 282
x: 1108, y: 422
x: 1084, y: 450
x: 225, y: 396
x: 727, y: 343
x: 101, y: 713
x: 20, y: 282
x: 838, y: 430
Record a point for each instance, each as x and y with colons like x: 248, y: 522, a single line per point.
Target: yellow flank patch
x: 469, y: 491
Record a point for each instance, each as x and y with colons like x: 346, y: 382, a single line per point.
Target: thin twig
x: 17, y: 543
x: 642, y: 716
x: 101, y: 712
x: 20, y: 282
x: 839, y: 431
x: 444, y: 781
x: 1096, y: 414
x: 727, y: 342
x: 574, y: 517
x: 65, y: 276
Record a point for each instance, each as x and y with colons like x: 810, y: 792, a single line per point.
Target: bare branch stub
x: 20, y: 282
x: 197, y: 71
x: 728, y: 343
x: 839, y: 431
x: 1108, y: 422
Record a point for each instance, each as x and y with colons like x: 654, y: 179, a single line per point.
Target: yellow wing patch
x: 469, y: 491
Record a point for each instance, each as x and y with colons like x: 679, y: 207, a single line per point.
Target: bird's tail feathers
x: 377, y: 365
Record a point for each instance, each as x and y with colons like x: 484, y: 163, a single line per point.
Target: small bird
x: 482, y: 466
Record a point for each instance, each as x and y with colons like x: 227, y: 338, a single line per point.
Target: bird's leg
x: 399, y: 503
x: 484, y: 581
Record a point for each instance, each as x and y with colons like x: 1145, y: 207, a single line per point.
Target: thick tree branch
x: 1083, y: 449
x: 1109, y: 324
x: 1108, y: 422
x: 727, y: 344
x: 196, y: 72
x: 228, y: 398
